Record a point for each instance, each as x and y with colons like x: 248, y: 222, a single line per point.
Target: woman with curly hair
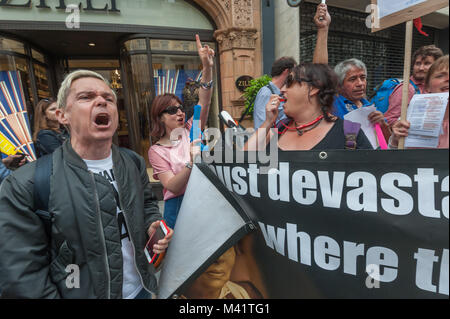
x: 309, y: 92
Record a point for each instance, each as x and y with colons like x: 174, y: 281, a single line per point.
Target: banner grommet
x: 323, y: 155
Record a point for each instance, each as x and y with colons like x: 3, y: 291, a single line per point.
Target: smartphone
x: 159, y: 234
x: 16, y: 161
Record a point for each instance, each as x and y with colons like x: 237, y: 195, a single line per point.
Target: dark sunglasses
x: 291, y: 79
x: 173, y: 109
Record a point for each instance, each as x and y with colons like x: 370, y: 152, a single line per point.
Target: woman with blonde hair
x: 436, y: 81
x: 48, y: 135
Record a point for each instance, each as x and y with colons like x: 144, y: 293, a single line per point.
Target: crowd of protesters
x: 99, y: 201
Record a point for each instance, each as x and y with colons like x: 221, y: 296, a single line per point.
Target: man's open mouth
x: 102, y: 119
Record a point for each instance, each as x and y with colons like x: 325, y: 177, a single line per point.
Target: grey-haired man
x: 101, y: 207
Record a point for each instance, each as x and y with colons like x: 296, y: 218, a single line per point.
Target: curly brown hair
x: 322, y: 77
x: 427, y: 50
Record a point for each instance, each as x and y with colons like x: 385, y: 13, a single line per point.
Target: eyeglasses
x: 291, y: 79
x: 173, y: 109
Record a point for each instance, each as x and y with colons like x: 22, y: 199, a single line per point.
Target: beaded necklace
x: 301, y: 129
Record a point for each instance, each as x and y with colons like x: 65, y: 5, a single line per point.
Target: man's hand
x: 322, y: 13
x: 11, y: 161
x: 162, y: 244
x: 377, y: 117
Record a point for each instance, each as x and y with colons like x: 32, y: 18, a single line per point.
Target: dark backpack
x: 41, y: 193
x: 381, y: 93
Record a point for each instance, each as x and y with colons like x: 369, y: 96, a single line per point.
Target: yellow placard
x: 6, y: 147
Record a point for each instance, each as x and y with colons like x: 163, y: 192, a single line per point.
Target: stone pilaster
x: 239, y: 39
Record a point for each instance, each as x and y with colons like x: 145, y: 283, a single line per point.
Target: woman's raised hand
x: 205, y: 53
x: 272, y: 109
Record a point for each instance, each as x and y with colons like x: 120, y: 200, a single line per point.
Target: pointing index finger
x: 199, y: 44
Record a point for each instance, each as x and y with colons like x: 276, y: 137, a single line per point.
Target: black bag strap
x: 271, y: 89
x: 43, y: 171
x: 248, y: 108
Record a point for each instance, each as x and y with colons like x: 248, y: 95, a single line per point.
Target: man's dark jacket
x: 85, y: 230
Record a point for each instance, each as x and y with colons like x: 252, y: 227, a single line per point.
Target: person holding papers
x: 436, y: 82
x: 422, y: 59
x: 172, y: 156
x: 352, y: 75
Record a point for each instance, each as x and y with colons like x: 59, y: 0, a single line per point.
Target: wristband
x: 188, y: 165
x: 206, y: 86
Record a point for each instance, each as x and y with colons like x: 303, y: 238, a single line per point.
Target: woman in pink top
x: 436, y: 82
x: 172, y: 156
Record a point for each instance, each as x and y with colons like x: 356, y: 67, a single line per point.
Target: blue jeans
x: 171, y: 210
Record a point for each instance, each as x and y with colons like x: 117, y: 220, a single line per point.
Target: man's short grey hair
x: 64, y: 90
x: 343, y: 67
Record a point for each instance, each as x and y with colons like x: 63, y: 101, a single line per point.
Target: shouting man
x: 100, y: 206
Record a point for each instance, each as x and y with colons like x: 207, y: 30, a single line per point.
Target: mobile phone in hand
x: 16, y: 161
x: 159, y: 234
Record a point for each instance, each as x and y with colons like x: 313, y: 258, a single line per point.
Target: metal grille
x: 382, y: 52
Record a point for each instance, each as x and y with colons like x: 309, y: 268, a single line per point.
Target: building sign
x: 155, y: 13
x: 243, y: 82
x: 109, y: 5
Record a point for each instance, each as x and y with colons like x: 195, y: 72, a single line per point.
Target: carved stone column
x: 239, y: 40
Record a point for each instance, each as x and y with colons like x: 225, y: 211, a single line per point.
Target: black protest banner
x: 337, y: 224
x: 329, y: 220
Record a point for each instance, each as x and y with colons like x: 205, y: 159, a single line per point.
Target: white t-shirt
x: 131, y: 281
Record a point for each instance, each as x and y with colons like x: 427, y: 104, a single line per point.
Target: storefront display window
x: 176, y: 45
x: 178, y: 75
x: 168, y: 66
x: 40, y: 73
x: 13, y: 63
x: 139, y: 91
x: 32, y: 69
x: 37, y: 56
x: 136, y: 44
x: 11, y: 45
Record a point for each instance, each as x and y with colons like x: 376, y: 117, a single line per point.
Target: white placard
x: 388, y: 7
x: 361, y: 116
x: 425, y: 114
